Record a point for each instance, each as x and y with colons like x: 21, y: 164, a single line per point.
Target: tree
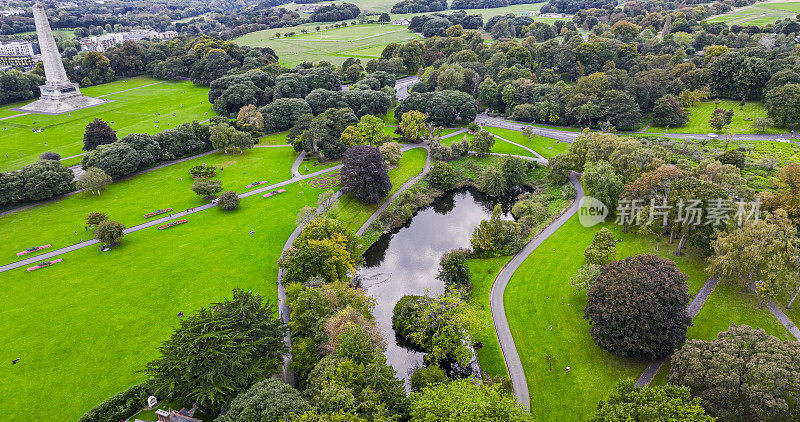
x: 228, y: 200
x: 761, y: 124
x: 412, y: 123
x: 116, y: 160
x: 661, y: 403
x: 93, y: 180
x: 282, y: 113
x: 497, y: 237
x: 482, y: 143
x: 384, y: 18
x: 11, y: 185
x: 220, y: 351
x: 270, y: 400
x: 733, y: 157
x: 764, y: 252
x: 637, y: 307
x: 786, y: 193
x: 466, y: 400
x: 109, y: 231
x: 783, y: 104
x: 44, y: 179
x: 207, y: 187
x: 146, y: 146
x: 371, y: 130
x: 585, y: 278
x: 603, y: 248
x: 325, y: 249
x: 621, y: 110
x: 742, y: 375
x: 453, y: 269
x: 364, y: 174
x: 668, y: 112
x: 720, y: 118
x: 95, y: 218
x: 351, y: 137
x: 392, y: 152
x: 97, y: 133
x: 225, y: 137
x: 603, y: 183
x: 250, y: 119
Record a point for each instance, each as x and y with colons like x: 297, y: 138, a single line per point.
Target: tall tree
x: 97, y: 133
x: 364, y: 174
x: 661, y: 403
x: 466, y: 400
x: 220, y: 351
x: 94, y: 180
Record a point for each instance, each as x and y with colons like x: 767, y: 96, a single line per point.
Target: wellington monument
x: 59, y: 95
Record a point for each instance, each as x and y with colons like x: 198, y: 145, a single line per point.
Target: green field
x: 539, y: 297
x: 759, y: 14
x: 700, y: 114
x: 133, y: 110
x: 333, y: 45
x: 547, y: 147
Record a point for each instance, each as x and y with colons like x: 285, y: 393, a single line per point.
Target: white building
x: 102, y: 43
x: 11, y: 12
x: 18, y: 48
x: 402, y: 22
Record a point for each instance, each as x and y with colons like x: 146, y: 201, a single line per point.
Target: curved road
x: 510, y: 354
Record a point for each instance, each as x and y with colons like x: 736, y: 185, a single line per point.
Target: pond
x: 406, y: 261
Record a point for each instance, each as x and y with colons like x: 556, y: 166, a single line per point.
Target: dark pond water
x: 406, y: 261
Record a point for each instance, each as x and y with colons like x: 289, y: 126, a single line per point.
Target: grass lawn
x: 333, y: 45
x: 114, y: 309
x: 274, y: 139
x: 59, y: 223
x: 539, y: 297
x: 354, y: 213
x: 700, y: 114
x: 547, y: 147
x: 759, y: 14
x: 484, y: 272
x: 500, y: 146
x: 131, y: 111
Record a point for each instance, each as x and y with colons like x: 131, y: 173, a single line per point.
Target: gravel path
x: 510, y: 354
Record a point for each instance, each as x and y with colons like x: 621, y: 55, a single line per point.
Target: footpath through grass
x: 546, y: 317
x: 700, y: 114
x: 62, y: 222
x: 133, y: 110
x: 547, y: 147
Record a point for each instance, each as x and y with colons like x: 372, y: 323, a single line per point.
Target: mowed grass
x: 547, y: 147
x: 500, y: 146
x: 354, y: 213
x: 133, y: 110
x: 333, y: 45
x: 700, y: 114
x: 546, y: 317
x: 86, y: 326
x: 62, y: 222
x: 759, y: 14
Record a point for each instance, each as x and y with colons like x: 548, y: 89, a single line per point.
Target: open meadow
x: 759, y: 14
x: 334, y: 45
x: 701, y: 113
x: 135, y: 102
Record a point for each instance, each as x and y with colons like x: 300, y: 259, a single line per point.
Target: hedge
x: 120, y: 406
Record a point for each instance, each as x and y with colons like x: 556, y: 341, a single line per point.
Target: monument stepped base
x: 61, y: 106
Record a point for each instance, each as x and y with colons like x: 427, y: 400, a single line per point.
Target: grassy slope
x: 539, y: 297
x: 759, y: 14
x: 63, y: 134
x: 547, y: 147
x: 700, y: 114
x: 127, y: 201
x: 333, y: 45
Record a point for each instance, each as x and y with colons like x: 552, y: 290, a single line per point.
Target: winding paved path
x: 510, y: 354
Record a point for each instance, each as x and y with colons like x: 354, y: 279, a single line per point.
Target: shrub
x: 637, y: 307
x: 733, y: 157
x: 270, y: 400
x: 496, y: 237
x: 207, y: 187
x: 443, y: 175
x: 568, y: 191
x: 460, y: 148
x: 453, y: 269
x: 424, y: 377
x: 440, y: 151
x: 493, y: 182
x: 202, y: 170
x: 50, y: 156
x: 228, y: 200
x: 603, y: 248
x: 585, y: 277
x: 119, y: 406
x: 95, y: 218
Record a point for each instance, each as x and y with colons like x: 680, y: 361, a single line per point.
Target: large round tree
x: 270, y: 400
x: 97, y: 133
x: 364, y: 174
x: 743, y: 375
x: 637, y: 307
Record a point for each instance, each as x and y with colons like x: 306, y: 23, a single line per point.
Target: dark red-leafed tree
x: 97, y: 133
x: 364, y: 174
x: 637, y: 307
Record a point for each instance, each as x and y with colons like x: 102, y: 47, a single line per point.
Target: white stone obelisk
x: 58, y: 94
